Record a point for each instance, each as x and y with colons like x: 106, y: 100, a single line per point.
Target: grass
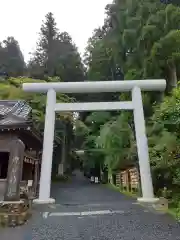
x: 63, y: 178
x: 129, y: 194
x: 174, y: 212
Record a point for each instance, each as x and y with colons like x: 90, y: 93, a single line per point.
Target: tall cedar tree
x: 55, y: 55
x: 11, y: 58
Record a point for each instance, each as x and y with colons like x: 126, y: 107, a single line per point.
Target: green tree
x: 131, y: 39
x: 43, y: 59
x: 55, y: 55
x: 139, y: 39
x: 11, y: 58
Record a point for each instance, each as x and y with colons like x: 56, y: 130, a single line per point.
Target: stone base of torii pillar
x: 148, y: 200
x: 41, y: 201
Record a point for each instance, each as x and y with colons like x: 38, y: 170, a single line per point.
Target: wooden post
x: 118, y: 179
x: 36, y: 173
x: 63, y: 153
x: 127, y: 181
x: 15, y: 166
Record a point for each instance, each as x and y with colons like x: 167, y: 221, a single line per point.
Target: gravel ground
x: 71, y: 217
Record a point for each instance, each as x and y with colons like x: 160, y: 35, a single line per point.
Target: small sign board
x: 30, y: 183
x: 96, y: 180
x: 92, y: 179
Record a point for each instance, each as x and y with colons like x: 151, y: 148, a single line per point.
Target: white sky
x: 23, y: 18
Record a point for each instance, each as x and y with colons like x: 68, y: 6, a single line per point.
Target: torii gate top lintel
x: 97, y: 86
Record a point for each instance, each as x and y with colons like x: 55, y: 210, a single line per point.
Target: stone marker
x: 12, y: 192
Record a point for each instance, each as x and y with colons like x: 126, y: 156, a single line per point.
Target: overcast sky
x: 23, y: 18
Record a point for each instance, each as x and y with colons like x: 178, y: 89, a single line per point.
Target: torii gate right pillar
x: 142, y: 147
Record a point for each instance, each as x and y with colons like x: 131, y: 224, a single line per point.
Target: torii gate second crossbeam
x: 136, y: 105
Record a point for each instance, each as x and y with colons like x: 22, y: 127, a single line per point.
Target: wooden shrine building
x: 16, y: 125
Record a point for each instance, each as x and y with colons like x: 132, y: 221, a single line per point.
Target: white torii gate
x: 135, y: 86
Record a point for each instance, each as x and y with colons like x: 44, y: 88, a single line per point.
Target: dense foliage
x: 140, y: 39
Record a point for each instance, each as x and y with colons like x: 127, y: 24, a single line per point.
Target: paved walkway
x: 84, y: 211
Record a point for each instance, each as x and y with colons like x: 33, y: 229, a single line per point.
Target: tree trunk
x: 172, y: 76
x: 159, y: 97
x: 63, y: 156
x: 36, y: 180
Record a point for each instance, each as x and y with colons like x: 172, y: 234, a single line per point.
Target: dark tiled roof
x: 14, y: 112
x: 16, y: 115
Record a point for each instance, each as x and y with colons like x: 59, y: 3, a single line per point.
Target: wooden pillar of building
x: 37, y: 172
x: 118, y: 179
x: 63, y: 156
x: 125, y: 180
x: 12, y: 192
x: 36, y: 177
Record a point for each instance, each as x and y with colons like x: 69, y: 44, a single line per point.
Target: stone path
x: 84, y: 211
